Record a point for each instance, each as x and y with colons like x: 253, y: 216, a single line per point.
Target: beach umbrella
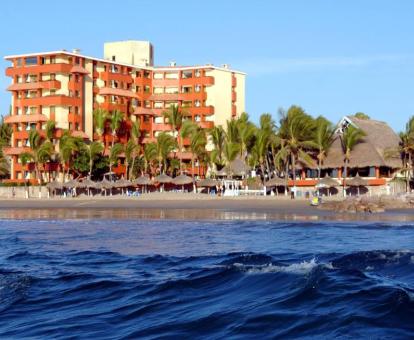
x: 275, y: 182
x: 208, y: 183
x: 162, y: 179
x: 238, y: 167
x: 122, y: 183
x: 182, y: 180
x: 104, y: 185
x: 327, y: 182
x: 54, y: 185
x: 72, y: 184
x: 222, y: 173
x: 357, y: 181
x: 143, y: 180
x: 88, y: 183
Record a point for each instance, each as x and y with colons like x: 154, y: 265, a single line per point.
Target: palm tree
x: 230, y: 151
x: 246, y: 131
x: 174, y: 117
x: 67, y: 147
x: 40, y: 154
x: 198, y: 141
x: 349, y: 139
x: 323, y: 139
x: 100, y: 116
x: 164, y: 146
x: 25, y: 159
x: 131, y: 152
x: 116, y: 119
x: 116, y: 150
x: 50, y: 129
x: 296, y: 129
x: 136, y: 134
x: 281, y: 158
x: 260, y: 148
x: 218, y: 138
x: 150, y: 154
x: 93, y: 149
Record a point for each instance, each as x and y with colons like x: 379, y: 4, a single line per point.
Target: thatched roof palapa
x: 88, y: 183
x: 327, y: 182
x: 54, y: 185
x: 163, y: 178
x: 356, y: 181
x: 380, y: 139
x: 182, y: 180
x: 143, y: 180
x: 104, y: 184
x: 208, y: 182
x: 275, y: 182
x: 71, y: 184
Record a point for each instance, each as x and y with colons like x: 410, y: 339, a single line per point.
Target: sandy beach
x: 183, y: 206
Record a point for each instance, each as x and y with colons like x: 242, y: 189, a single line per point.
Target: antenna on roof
x: 76, y: 50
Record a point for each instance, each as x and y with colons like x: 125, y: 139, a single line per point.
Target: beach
x: 184, y: 206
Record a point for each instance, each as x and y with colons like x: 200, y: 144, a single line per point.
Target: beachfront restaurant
x: 372, y: 165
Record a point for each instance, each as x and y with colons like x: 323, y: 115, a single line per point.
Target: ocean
x: 178, y: 279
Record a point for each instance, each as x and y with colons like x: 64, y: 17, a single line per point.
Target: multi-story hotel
x: 67, y: 87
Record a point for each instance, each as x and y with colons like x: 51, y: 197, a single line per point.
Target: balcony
x: 46, y: 68
x: 206, y: 125
x: 13, y: 151
x: 206, y: 80
x: 161, y: 127
x: 49, y: 100
x: 31, y: 118
x: 191, y: 96
x: 49, y: 84
x: 117, y: 92
x: 164, y: 96
x: 206, y: 110
x: 233, y: 81
x: 233, y: 96
x: 142, y: 111
x: 108, y: 76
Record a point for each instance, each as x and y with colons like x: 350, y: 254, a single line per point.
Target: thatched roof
x: 275, y: 182
x: 238, y: 167
x: 356, y: 181
x: 122, y: 183
x: 71, y: 184
x: 208, y: 182
x: 379, y: 140
x: 88, y: 183
x: 327, y: 182
x: 104, y: 184
x: 182, y: 180
x: 54, y: 185
x: 163, y: 178
x: 143, y: 180
x: 221, y: 173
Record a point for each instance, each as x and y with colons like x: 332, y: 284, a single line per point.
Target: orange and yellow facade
x: 67, y: 87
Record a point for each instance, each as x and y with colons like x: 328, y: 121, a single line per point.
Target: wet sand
x: 183, y: 206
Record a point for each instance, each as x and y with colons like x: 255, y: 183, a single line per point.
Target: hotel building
x: 67, y: 87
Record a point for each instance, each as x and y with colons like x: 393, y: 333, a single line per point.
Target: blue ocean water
x: 118, y: 279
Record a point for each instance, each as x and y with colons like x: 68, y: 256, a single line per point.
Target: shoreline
x: 178, y: 206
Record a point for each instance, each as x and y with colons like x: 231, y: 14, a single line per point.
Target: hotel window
x: 197, y: 73
x: 197, y: 103
x: 52, y: 110
x: 30, y: 61
x: 158, y: 75
x: 197, y: 88
x: 158, y: 90
x: 186, y: 74
x: 170, y: 104
x: 147, y: 104
x: 158, y: 105
x: 197, y: 118
x: 52, y: 76
x: 137, y: 88
x: 76, y: 126
x: 76, y: 78
x: 147, y: 74
x: 171, y: 75
x: 171, y: 90
x: 70, y: 126
x: 186, y: 89
x: 26, y: 110
x: 70, y: 77
x: 77, y: 61
x: 43, y: 60
x: 76, y: 110
x: 33, y: 110
x: 18, y: 62
x: 52, y: 92
x: 147, y: 89
x: 19, y: 79
x: 138, y: 74
x: 53, y: 60
x: 187, y: 104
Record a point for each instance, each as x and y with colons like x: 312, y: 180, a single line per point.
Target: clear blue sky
x: 330, y: 57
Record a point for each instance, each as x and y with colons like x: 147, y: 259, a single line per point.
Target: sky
x: 332, y: 58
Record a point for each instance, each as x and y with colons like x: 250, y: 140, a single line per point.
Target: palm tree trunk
x: 113, y: 139
x: 319, y: 167
x: 344, y: 176
x: 286, y: 176
x: 132, y: 168
x: 410, y: 173
x: 90, y: 167
x: 39, y: 181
